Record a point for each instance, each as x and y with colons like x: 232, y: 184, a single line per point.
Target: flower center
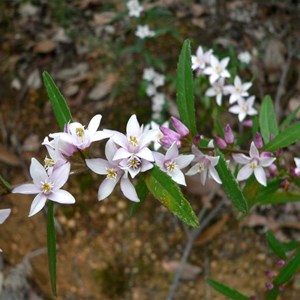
x: 170, y: 165
x: 253, y: 164
x: 111, y: 173
x: 218, y: 69
x: 202, y: 165
x: 244, y: 108
x: 47, y: 187
x: 134, y: 163
x: 80, y: 132
x: 133, y: 140
x: 217, y: 90
x: 238, y: 90
x: 48, y: 163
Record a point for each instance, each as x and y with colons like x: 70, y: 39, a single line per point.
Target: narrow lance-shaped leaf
x: 58, y: 102
x: 5, y: 187
x: 230, y: 185
x: 285, y: 138
x: 286, y: 122
x: 51, y: 237
x: 226, y: 291
x: 165, y: 190
x: 276, y: 246
x: 267, y: 119
x: 185, y: 91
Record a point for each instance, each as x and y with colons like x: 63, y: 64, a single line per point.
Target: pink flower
x: 253, y: 164
x: 46, y: 186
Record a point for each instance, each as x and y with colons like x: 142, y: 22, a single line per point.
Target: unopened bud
x: 220, y: 142
x: 266, y: 154
x: 179, y: 127
x: 196, y: 139
x: 258, y: 141
x: 269, y: 285
x: 228, y: 135
x: 248, y: 123
x: 281, y: 263
x: 269, y: 273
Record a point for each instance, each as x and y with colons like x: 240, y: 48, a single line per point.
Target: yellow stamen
x: 111, y: 173
x: 47, y: 187
x: 80, y: 132
x: 134, y: 163
x: 133, y: 140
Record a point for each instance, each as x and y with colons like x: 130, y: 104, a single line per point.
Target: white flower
x: 244, y: 108
x: 149, y: 74
x: 4, y: 213
x: 217, y: 69
x: 46, y: 186
x: 144, y: 31
x: 158, y: 80
x: 238, y: 90
x: 151, y: 90
x: 158, y: 102
x: 217, y: 90
x: 201, y: 59
x: 134, y: 8
x: 114, y: 173
x: 75, y: 134
x: 254, y: 163
x: 244, y: 57
x: 205, y: 166
x: 297, y: 163
x: 172, y: 163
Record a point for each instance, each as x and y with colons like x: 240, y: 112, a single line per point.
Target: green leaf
x: 272, y: 294
x: 287, y: 121
x: 276, y: 246
x: 285, y: 138
x: 230, y: 185
x: 60, y: 107
x: 288, y: 270
x: 290, y: 246
x: 5, y: 187
x: 185, y: 91
x: 165, y: 190
x: 226, y: 291
x: 51, y: 237
x: 277, y: 198
x: 267, y: 119
x: 142, y: 192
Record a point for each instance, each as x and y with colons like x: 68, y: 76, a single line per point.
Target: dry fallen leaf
x: 103, y: 88
x: 8, y: 157
x: 104, y: 18
x: 44, y: 46
x: 190, y: 272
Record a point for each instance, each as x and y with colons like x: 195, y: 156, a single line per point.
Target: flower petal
x: 254, y: 153
x: 37, y: 172
x: 106, y: 188
x: 183, y: 161
x: 172, y: 152
x: 37, y: 204
x: 266, y: 161
x: 260, y: 175
x: 241, y: 158
x: 27, y: 188
x: 178, y: 177
x: 110, y: 149
x: 94, y: 123
x: 121, y: 153
x: 60, y: 176
x: 133, y: 127
x: 100, y: 135
x: 244, y: 173
x: 129, y: 190
x: 98, y: 165
x: 146, y: 154
x: 61, y: 196
x: 193, y: 170
x: 214, y: 174
x: 4, y: 213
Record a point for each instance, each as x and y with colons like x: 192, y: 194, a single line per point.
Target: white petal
x: 252, y: 111
x: 146, y: 154
x: 98, y: 165
x: 250, y: 101
x: 213, y: 160
x: 100, y: 135
x: 37, y: 204
x: 213, y: 78
x: 225, y: 74
x: 254, y: 153
x: 266, y: 161
x: 183, y: 161
x: 159, y: 159
x: 214, y: 174
x: 172, y: 152
x: 121, y: 153
x: 60, y: 176
x: 234, y: 109
x: 146, y: 165
x: 129, y: 190
x: 61, y: 196
x: 4, y: 213
x: 94, y: 123
x: 106, y: 188
x: 120, y: 139
x: 244, y: 173
x: 242, y: 116
x: 241, y: 158
x: 27, y: 188
x: 193, y: 170
x: 237, y: 81
x: 203, y: 176
x: 297, y: 162
x: 133, y: 126
x: 260, y: 175
x: 224, y: 62
x: 178, y: 177
x: 110, y: 149
x: 247, y: 86
x: 37, y: 172
x: 210, y: 92
x: 219, y: 99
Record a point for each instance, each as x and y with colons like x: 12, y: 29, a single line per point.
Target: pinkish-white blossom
x: 201, y: 59
x: 217, y: 69
x: 134, y: 8
x: 238, y: 89
x: 244, y: 108
x: 143, y: 31
x: 217, y: 90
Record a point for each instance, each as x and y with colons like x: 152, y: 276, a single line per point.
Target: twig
x: 191, y: 238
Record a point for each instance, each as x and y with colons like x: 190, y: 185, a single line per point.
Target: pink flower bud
x: 170, y: 133
x: 269, y: 274
x: 281, y: 263
x: 258, y: 141
x: 266, y: 154
x: 196, y: 139
x: 269, y: 285
x: 228, y: 135
x: 220, y: 142
x: 248, y: 123
x: 252, y: 298
x: 179, y: 127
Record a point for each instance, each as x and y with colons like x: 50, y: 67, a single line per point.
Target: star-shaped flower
x: 217, y: 69
x: 46, y: 186
x: 238, y: 90
x: 134, y: 8
x: 253, y: 164
x: 297, y: 169
x: 201, y: 59
x: 217, y: 90
x: 143, y: 31
x: 244, y: 108
x: 172, y: 163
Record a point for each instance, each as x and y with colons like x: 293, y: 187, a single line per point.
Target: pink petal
x: 203, y: 176
x: 4, y: 213
x: 61, y: 196
x: 129, y: 190
x: 37, y: 172
x: 244, y: 173
x: 241, y: 158
x: 94, y: 124
x: 60, y: 176
x: 159, y: 159
x: 37, y: 204
x: 260, y: 175
x: 27, y: 188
